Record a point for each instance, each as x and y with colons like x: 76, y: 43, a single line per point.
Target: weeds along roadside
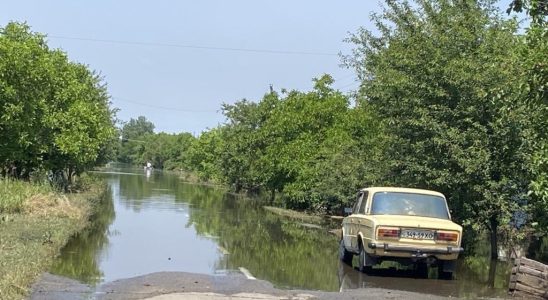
x: 35, y: 223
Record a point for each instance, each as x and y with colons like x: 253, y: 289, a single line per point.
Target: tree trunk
x: 272, y: 195
x: 493, y: 224
x: 492, y: 273
x: 70, y: 175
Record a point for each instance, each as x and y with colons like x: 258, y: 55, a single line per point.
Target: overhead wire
x: 173, y: 45
x: 141, y: 43
x: 344, y: 77
x: 165, y: 107
x: 348, y: 85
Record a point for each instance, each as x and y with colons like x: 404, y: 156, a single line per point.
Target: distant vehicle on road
x: 409, y: 226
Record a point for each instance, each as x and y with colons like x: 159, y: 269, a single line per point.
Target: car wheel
x: 363, y: 258
x: 444, y: 275
x: 422, y: 269
x: 344, y: 255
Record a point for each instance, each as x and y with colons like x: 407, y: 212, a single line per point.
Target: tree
x: 315, y: 148
x: 533, y: 88
x: 243, y: 142
x: 203, y: 156
x: 137, y: 128
x: 309, y: 147
x: 346, y: 159
x: 55, y: 113
x: 165, y: 150
x: 441, y: 75
x: 133, y: 135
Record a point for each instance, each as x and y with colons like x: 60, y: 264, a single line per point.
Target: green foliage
x: 137, y: 128
x: 139, y: 145
x: 539, y: 187
x: 443, y: 76
x: 312, y: 148
x: 132, y: 136
x: 536, y: 9
x: 533, y: 86
x: 55, y: 113
x: 242, y: 143
x: 452, y: 98
x: 203, y: 156
x: 316, y: 148
x: 164, y: 150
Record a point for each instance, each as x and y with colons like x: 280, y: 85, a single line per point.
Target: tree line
x: 452, y: 97
x: 55, y: 116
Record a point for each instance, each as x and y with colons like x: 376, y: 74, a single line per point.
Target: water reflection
x: 407, y: 280
x: 280, y: 251
x: 476, y: 276
x: 157, y: 223
x: 80, y: 256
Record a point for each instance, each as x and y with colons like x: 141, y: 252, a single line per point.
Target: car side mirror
x: 347, y: 211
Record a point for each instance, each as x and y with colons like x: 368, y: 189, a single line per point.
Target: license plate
x: 417, y: 235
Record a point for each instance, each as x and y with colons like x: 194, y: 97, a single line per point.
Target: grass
x: 35, y: 223
x: 14, y: 193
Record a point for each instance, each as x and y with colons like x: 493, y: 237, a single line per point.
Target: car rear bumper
x: 415, y: 251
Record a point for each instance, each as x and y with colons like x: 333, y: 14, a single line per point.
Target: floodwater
x: 153, y: 222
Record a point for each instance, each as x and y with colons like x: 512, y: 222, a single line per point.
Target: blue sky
x: 180, y: 88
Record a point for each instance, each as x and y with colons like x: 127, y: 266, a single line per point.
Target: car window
x: 410, y: 204
x: 363, y: 203
x: 357, y: 203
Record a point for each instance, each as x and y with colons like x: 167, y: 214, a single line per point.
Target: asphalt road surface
x: 180, y: 285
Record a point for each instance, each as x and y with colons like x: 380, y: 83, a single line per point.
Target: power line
x: 344, y: 77
x: 139, y: 43
x: 348, y: 85
x: 164, y: 107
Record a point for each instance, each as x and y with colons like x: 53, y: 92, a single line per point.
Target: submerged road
x: 151, y: 229
x: 180, y: 285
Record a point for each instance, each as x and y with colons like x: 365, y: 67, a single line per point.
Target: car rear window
x: 409, y: 204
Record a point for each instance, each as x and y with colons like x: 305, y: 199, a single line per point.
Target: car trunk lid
x: 416, y: 230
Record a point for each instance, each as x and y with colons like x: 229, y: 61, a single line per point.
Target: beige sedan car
x: 409, y: 226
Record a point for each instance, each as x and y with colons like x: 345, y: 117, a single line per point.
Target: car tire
x: 443, y: 275
x: 421, y: 269
x: 344, y: 255
x: 363, y: 258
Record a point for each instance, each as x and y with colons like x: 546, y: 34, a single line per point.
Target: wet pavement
x: 179, y: 285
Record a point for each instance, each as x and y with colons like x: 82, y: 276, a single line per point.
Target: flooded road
x: 156, y: 223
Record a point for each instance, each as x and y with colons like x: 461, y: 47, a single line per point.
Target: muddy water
x: 153, y: 222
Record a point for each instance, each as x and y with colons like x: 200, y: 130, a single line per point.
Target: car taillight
x: 447, y: 236
x: 388, y: 233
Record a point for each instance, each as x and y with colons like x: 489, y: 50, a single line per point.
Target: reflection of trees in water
x: 79, y: 258
x: 478, y: 275
x: 270, y: 247
x: 475, y: 277
x: 135, y: 189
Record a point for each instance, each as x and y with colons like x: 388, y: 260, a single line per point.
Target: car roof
x: 402, y: 190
